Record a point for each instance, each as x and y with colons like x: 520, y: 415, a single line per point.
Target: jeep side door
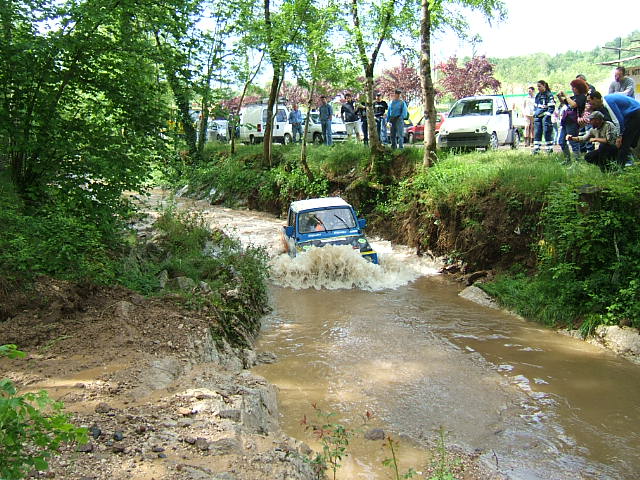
x: 500, y: 121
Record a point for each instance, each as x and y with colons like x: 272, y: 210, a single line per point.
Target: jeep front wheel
x: 493, y: 141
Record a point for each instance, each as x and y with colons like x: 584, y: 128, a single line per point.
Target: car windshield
x: 482, y: 106
x: 326, y: 220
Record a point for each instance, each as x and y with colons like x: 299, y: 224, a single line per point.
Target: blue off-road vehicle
x: 318, y: 222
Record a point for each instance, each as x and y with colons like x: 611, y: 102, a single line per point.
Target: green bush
x: 50, y: 241
x: 32, y: 427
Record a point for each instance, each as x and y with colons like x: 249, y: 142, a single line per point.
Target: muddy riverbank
x: 161, y: 398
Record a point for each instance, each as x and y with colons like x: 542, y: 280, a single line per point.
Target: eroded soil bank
x: 161, y: 398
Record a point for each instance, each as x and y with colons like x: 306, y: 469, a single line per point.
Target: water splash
x: 341, y: 267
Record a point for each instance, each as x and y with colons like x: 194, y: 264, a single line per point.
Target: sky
x: 549, y: 26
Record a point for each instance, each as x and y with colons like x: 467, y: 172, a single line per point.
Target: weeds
x: 333, y: 437
x: 32, y: 427
x: 392, y: 462
x: 444, y: 466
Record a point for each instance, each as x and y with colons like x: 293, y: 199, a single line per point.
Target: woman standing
x: 543, y: 108
x: 569, y: 127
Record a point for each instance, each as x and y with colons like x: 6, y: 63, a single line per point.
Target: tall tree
x: 475, y: 77
x: 81, y: 107
x: 404, y: 77
x: 373, y: 23
x: 442, y: 14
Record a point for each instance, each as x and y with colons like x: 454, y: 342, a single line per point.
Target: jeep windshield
x: 326, y: 220
x: 483, y: 106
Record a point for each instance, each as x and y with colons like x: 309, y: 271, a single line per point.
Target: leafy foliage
x: 32, y: 427
x: 52, y: 241
x: 475, y: 77
x: 405, y: 77
x: 82, y: 108
x: 334, y: 439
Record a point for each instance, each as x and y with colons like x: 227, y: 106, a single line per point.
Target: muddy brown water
x: 397, y: 340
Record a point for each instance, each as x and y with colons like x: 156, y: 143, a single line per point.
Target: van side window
x: 281, y: 116
x: 292, y: 218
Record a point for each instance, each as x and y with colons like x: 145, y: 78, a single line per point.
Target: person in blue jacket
x: 625, y: 114
x: 395, y: 115
x: 543, y: 107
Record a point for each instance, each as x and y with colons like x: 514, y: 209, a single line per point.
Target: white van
x: 482, y: 121
x: 253, y: 120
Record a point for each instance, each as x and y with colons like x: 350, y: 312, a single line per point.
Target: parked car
x: 415, y: 133
x: 481, y: 121
x: 253, y: 120
x: 218, y: 130
x: 318, y: 222
x: 338, y: 129
x: 407, y: 125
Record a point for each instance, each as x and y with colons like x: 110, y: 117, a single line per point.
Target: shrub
x: 32, y: 427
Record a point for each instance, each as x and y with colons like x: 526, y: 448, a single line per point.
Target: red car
x: 415, y: 133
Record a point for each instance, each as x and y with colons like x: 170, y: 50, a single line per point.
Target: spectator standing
x: 361, y: 110
x: 591, y: 87
x: 625, y: 114
x: 543, y: 108
x: 295, y: 119
x: 569, y: 121
x: 379, y: 110
x: 622, y: 84
x: 325, y: 116
x: 395, y: 115
x: 528, y: 108
x: 604, y: 135
x: 350, y: 117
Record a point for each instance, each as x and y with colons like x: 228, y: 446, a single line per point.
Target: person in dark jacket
x: 569, y: 121
x: 379, y: 110
x: 625, y: 114
x: 350, y: 117
x: 543, y: 108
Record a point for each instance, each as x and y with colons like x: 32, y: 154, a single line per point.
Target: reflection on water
x: 393, y: 341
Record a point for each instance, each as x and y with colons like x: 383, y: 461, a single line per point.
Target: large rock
x: 259, y: 409
x: 622, y: 340
x: 479, y: 296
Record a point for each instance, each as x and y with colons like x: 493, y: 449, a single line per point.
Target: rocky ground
x: 160, y: 399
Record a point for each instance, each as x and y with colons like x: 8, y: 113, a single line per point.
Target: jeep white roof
x: 313, y: 203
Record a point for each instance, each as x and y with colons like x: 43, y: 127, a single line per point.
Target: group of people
x: 354, y: 116
x: 604, y: 129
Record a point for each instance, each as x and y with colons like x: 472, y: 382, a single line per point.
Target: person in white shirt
x: 528, y: 115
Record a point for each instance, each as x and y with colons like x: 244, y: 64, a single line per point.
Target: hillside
x: 517, y: 73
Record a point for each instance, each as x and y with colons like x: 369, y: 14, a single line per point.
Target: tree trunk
x: 268, y: 129
x: 234, y: 118
x: 428, y: 92
x: 303, y: 149
x: 377, y: 150
x: 204, y: 122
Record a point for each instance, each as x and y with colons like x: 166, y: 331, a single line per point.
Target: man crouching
x: 603, y: 134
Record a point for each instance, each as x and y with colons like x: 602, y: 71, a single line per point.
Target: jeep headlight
x: 443, y: 131
x: 483, y: 129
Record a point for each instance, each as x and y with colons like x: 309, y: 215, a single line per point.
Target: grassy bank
x: 563, y: 239
x: 183, y: 258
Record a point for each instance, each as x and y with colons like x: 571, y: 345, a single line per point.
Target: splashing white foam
x: 341, y: 267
